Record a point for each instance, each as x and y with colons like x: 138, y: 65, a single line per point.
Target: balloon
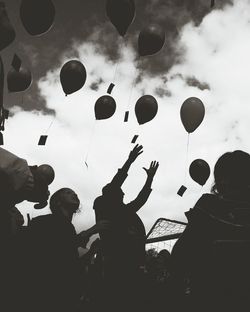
x: 151, y: 39
x: 7, y: 32
x: 47, y: 172
x: 146, y: 108
x: 18, y: 81
x: 121, y: 14
x: 37, y: 16
x: 199, y: 171
x: 73, y: 76
x: 105, y: 107
x: 192, y: 113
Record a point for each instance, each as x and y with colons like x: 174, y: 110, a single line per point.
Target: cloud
x: 215, y: 54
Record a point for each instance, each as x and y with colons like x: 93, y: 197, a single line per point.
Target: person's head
x: 163, y: 257
x: 64, y: 202
x: 43, y: 176
x: 232, y: 173
x: 113, y: 192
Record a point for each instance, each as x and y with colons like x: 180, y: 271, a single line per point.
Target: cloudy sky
x: 206, y: 55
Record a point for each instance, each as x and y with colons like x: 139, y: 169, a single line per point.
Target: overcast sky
x: 206, y: 55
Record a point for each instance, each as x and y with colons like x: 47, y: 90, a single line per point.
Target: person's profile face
x: 69, y: 198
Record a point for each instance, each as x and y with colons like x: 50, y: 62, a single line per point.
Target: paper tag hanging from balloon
x: 110, y: 88
x: 134, y: 138
x: 42, y: 140
x: 182, y: 190
x: 126, y: 116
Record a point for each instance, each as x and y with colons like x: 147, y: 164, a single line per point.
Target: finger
x: 156, y: 166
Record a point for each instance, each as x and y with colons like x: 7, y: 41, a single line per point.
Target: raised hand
x: 95, y: 246
x: 152, y: 169
x: 136, y: 151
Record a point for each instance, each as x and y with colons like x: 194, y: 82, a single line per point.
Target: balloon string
x: 187, y: 152
x: 115, y: 74
x: 133, y: 84
x: 90, y: 143
x: 121, y: 47
x: 51, y: 124
x: 136, y: 135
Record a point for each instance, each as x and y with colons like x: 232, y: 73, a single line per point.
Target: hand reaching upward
x: 136, y: 151
x: 152, y: 169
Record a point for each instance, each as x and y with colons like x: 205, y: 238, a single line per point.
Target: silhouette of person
x: 25, y: 182
x: 214, y: 250
x: 53, y: 258
x: 124, y: 243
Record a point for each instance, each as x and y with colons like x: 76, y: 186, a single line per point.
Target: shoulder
x: 97, y: 202
x: 206, y: 200
x: 207, y: 203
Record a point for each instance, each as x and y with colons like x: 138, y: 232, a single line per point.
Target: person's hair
x: 55, y: 198
x: 232, y: 173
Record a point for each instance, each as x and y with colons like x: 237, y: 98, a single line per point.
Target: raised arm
x: 84, y: 236
x: 122, y: 173
x: 143, y: 196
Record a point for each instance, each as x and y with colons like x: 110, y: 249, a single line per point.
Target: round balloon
x: 105, y: 107
x: 192, y: 113
x: 47, y: 172
x: 37, y: 16
x: 151, y: 39
x: 19, y: 81
x: 72, y: 76
x: 146, y: 108
x: 7, y: 32
x: 199, y: 171
x: 121, y: 14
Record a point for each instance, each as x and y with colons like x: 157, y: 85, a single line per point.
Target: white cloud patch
x: 216, y: 53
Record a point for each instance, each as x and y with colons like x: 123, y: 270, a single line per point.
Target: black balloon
x: 105, y: 107
x: 72, y: 76
x: 121, y: 14
x: 47, y: 172
x: 7, y: 32
x: 37, y: 16
x: 19, y: 81
x: 192, y: 113
x: 199, y: 171
x: 146, y: 108
x: 151, y: 39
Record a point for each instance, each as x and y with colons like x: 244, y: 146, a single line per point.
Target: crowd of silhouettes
x: 42, y: 270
